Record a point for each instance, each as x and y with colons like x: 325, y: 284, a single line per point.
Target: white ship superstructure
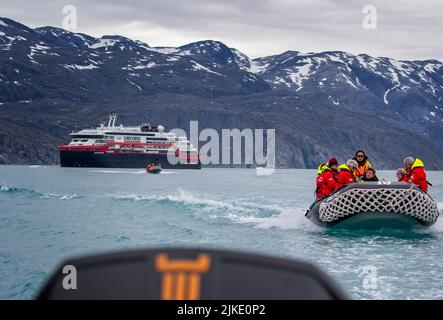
x: 111, y: 139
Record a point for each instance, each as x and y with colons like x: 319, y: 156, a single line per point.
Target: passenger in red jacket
x: 319, y: 181
x: 347, y: 172
x: 329, y: 182
x: 417, y: 172
x: 401, y: 175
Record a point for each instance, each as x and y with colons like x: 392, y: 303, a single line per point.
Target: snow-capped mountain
x: 91, y: 68
x: 341, y: 76
x: 50, y: 66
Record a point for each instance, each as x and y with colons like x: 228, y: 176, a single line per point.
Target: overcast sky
x: 406, y: 29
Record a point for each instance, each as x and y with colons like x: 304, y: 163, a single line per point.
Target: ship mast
x: 112, y: 119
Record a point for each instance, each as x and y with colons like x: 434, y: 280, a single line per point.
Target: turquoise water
x: 50, y: 213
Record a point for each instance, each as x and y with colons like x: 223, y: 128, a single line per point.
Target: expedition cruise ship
x: 111, y: 146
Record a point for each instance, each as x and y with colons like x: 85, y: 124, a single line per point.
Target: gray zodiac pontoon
x: 373, y: 205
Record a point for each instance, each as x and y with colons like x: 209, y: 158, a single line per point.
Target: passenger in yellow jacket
x: 363, y: 164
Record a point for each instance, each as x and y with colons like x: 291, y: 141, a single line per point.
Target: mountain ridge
x: 50, y: 66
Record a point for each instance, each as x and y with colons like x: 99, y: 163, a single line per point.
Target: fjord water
x: 50, y: 213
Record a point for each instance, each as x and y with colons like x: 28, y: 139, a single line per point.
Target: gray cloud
x: 407, y: 29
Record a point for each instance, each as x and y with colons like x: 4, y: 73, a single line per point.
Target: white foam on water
x: 56, y: 196
x: 119, y: 171
x: 437, y: 227
x: 247, y: 212
x: 37, y: 194
x: 69, y: 197
x: 286, y: 219
x: 184, y: 198
x: 238, y: 211
x: 203, y: 203
x: 5, y: 188
x: 168, y: 172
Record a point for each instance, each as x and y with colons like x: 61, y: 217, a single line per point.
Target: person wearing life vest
x: 329, y: 182
x: 401, y: 175
x: 363, y: 164
x: 319, y: 181
x: 416, y: 172
x: 347, y: 172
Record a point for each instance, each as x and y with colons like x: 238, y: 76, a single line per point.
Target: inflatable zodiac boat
x: 373, y: 205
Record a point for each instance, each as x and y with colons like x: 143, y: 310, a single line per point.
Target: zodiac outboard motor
x: 188, y: 274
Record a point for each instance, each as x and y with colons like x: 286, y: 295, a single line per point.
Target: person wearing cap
x: 401, y: 175
x: 333, y: 165
x: 417, y: 174
x: 370, y: 175
x: 347, y: 172
x: 329, y: 183
x: 363, y: 164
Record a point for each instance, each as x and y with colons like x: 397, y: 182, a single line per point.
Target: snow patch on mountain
x: 173, y: 59
x: 199, y: 67
x: 37, y: 49
x: 349, y: 81
x: 79, y: 67
x: 300, y: 73
x: 164, y: 50
x: 103, y: 42
x: 81, y: 37
x: 432, y: 67
x: 147, y: 66
x: 368, y: 62
x: 242, y: 60
x: 134, y: 84
x: 184, y: 53
x: 258, y: 67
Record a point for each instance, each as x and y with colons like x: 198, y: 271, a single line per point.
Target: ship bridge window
x: 88, y: 136
x: 156, y: 139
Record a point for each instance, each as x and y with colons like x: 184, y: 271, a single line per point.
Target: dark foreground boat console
x: 188, y: 274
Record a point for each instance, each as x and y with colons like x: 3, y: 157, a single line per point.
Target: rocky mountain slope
x: 321, y: 104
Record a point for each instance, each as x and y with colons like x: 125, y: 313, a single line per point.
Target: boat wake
x: 239, y: 211
x: 438, y: 225
x: 119, y: 171
x: 35, y: 194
